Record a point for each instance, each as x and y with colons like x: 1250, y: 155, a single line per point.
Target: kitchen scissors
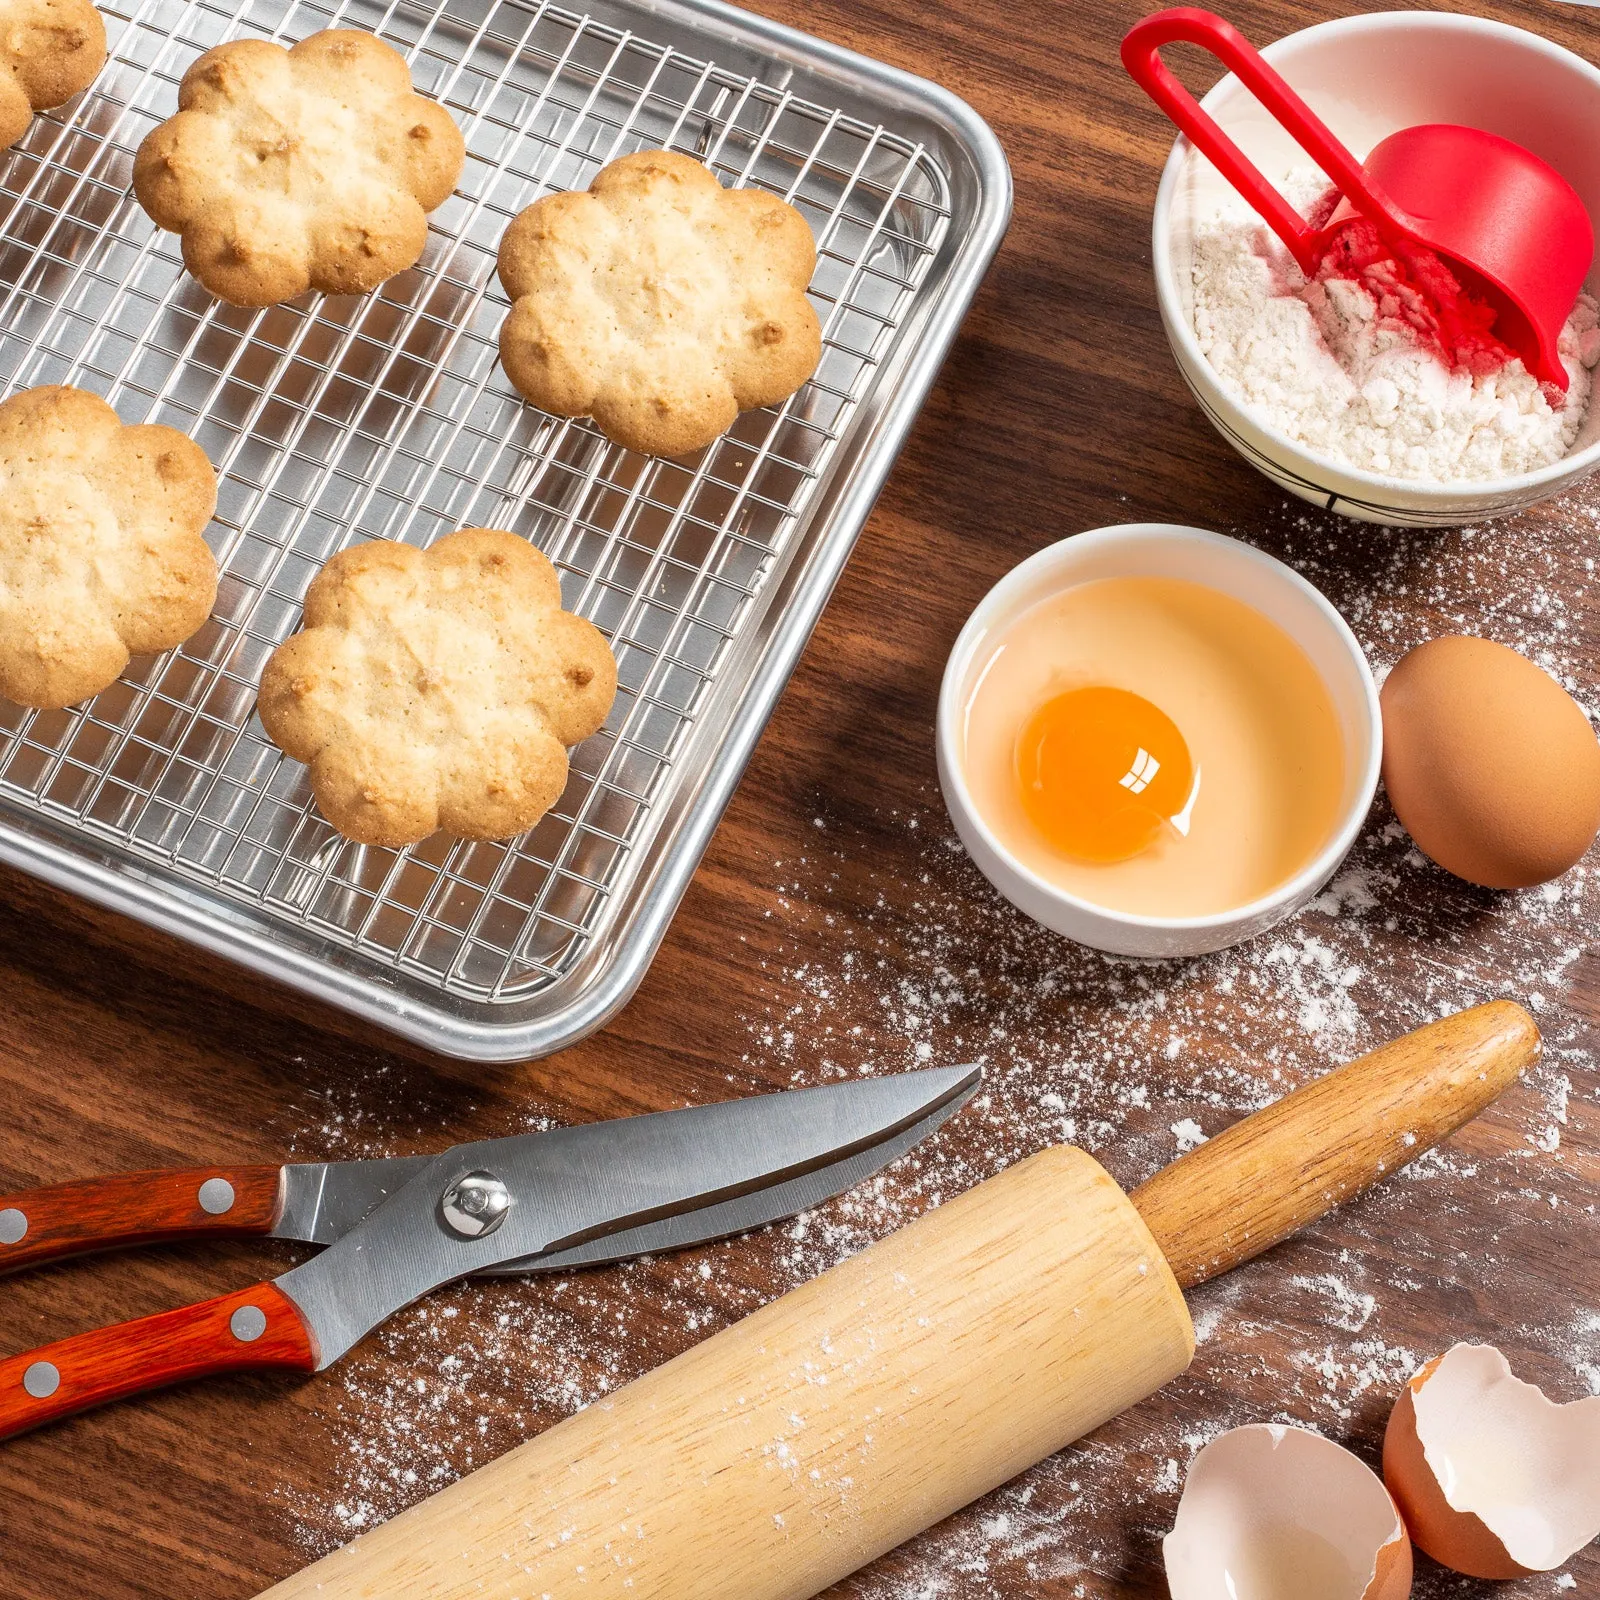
x: 395, y: 1229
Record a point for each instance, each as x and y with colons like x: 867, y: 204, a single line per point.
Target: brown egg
x: 1490, y: 764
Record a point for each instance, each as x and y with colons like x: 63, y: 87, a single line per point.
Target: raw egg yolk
x: 1100, y: 771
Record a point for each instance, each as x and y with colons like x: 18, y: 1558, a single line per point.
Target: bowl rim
x: 1310, y: 877
x: 1179, y: 328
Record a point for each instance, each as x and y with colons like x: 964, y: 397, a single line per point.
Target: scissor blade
x: 324, y: 1200
x: 771, y: 1204
x: 574, y: 1185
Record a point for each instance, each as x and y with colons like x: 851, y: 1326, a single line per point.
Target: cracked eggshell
x: 1273, y: 1510
x: 1494, y: 1479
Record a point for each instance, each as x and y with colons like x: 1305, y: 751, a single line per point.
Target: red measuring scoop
x: 1510, y: 226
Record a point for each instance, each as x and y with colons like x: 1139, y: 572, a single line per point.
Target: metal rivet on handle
x: 13, y: 1226
x: 248, y: 1323
x: 41, y: 1380
x: 216, y: 1196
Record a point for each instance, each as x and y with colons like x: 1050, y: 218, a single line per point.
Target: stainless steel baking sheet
x: 332, y: 420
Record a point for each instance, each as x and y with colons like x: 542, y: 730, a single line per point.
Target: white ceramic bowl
x: 1162, y: 550
x: 1366, y: 77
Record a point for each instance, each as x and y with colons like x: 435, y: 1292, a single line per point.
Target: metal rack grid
x: 335, y: 420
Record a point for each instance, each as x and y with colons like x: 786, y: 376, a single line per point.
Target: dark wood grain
x: 1059, y: 409
x: 125, y: 1209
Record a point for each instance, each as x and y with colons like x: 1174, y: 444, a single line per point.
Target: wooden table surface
x: 834, y: 925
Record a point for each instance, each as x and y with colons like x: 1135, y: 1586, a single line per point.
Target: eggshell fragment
x: 1494, y: 1479
x: 1276, y: 1513
x: 1490, y: 765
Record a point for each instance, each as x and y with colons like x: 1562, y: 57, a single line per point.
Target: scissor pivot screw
x: 475, y: 1205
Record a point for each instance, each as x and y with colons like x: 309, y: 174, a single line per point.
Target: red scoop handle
x: 134, y: 1208
x: 1190, y: 25
x: 253, y: 1328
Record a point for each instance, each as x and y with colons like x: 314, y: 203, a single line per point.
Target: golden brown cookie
x: 101, y: 554
x: 310, y: 168
x: 658, y: 303
x: 49, y: 50
x: 437, y: 689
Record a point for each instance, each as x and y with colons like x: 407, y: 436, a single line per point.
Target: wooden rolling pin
x: 790, y: 1449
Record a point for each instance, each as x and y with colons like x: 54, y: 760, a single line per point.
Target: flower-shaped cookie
x: 101, y: 554
x: 437, y: 689
x: 310, y: 168
x: 49, y: 50
x: 658, y: 303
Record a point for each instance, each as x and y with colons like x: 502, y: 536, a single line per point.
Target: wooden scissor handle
x: 133, y: 1208
x: 257, y: 1327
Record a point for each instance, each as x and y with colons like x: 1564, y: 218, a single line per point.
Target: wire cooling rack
x: 333, y: 420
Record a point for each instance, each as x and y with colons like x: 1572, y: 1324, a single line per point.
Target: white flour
x: 1343, y: 374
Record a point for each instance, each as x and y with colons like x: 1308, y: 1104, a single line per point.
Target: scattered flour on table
x: 1342, y: 373
x: 861, y: 967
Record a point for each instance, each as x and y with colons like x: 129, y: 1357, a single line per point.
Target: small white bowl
x: 1151, y: 549
x: 1366, y: 77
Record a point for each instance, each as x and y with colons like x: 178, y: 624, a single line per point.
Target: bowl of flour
x: 1326, y: 385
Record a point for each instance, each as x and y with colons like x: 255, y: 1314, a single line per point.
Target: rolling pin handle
x: 1267, y: 1177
